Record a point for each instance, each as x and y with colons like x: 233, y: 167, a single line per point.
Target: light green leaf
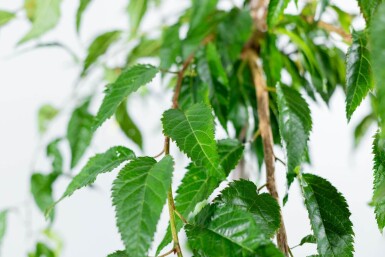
x: 144, y: 49
x: 295, y: 125
x: 30, y: 9
x: 79, y: 132
x: 216, y: 67
x: 99, y: 164
x: 193, y: 132
x: 368, y: 8
x: 358, y: 72
x: 3, y: 224
x: 127, y: 125
x: 230, y: 153
x: 138, y: 194
x: 46, y: 17
x: 79, y: 13
x: 41, y: 189
x: 379, y: 179
x: 118, y: 254
x: 46, y: 114
x: 228, y: 231
x: 263, y: 207
x: 377, y: 46
x: 98, y: 47
x: 6, y: 17
x: 136, y: 11
x: 53, y: 152
x: 329, y: 216
x: 128, y: 82
x: 275, y: 11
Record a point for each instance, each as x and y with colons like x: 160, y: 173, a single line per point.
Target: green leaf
x: 6, y: 17
x: 98, y: 47
x: 3, y: 224
x: 193, y: 91
x: 42, y: 250
x: 30, y: 9
x: 193, y: 132
x: 379, y: 179
x: 127, y: 125
x: 41, y: 189
x: 329, y: 216
x: 215, y: 64
x: 145, y: 48
x: 230, y: 153
x: 368, y: 8
x: 200, y: 11
x: 228, y: 231
x: 295, y: 125
x: 196, y: 187
x: 79, y: 13
x: 171, y: 47
x: 263, y: 207
x: 377, y: 46
x: 309, y: 239
x: 136, y: 11
x: 358, y: 72
x: 53, y: 152
x: 46, y: 114
x: 46, y: 17
x: 118, y: 254
x: 128, y: 82
x: 138, y: 194
x: 79, y: 132
x: 99, y: 164
x: 362, y: 128
x: 275, y: 11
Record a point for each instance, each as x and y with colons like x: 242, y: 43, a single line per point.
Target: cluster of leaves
x: 298, y: 54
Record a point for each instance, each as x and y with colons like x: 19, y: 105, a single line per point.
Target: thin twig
x: 261, y: 187
x: 159, y: 154
x: 280, y: 160
x: 168, y: 253
x: 331, y: 28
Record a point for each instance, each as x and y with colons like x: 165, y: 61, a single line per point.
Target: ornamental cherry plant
x: 248, y: 69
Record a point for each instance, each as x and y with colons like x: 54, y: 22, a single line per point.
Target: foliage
x: 250, y: 71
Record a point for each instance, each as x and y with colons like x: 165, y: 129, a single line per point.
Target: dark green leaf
x: 79, y: 132
x: 45, y: 115
x: 99, y: 47
x: 295, y: 124
x: 53, y: 152
x: 136, y: 11
x: 368, y: 8
x: 128, y: 82
x: 193, y: 132
x: 329, y: 216
x: 3, y: 224
x: 263, y: 207
x: 377, y: 46
x: 127, y: 125
x: 358, y: 72
x: 309, y: 239
x: 99, y: 164
x: 228, y: 231
x: 79, y: 13
x: 193, y: 91
x: 41, y: 189
x: 275, y: 11
x: 118, y: 254
x: 379, y: 179
x: 6, y: 17
x: 230, y: 153
x: 171, y: 47
x: 46, y: 17
x: 139, y: 193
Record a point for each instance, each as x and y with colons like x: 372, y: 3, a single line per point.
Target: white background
x: 86, y: 221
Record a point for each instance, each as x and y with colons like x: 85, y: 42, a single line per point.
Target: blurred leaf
x: 46, y: 114
x: 6, y: 17
x: 309, y: 239
x: 145, y: 48
x: 358, y: 72
x: 30, y: 9
x: 136, y: 11
x: 46, y: 16
x: 193, y: 91
x: 321, y: 8
x: 42, y: 250
x: 171, y: 46
x: 79, y: 132
x: 363, y: 127
x: 79, y: 13
x: 98, y: 47
x: 128, y: 82
x: 3, y: 225
x: 344, y: 18
x: 41, y: 189
x: 368, y: 8
x: 329, y: 216
x: 275, y: 11
x: 53, y: 152
x: 139, y: 194
x: 127, y: 125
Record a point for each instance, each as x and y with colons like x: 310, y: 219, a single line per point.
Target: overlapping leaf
x: 128, y: 82
x: 230, y: 152
x: 193, y: 132
x: 171, y: 46
x: 358, y: 72
x: 379, y: 179
x: 138, y: 194
x: 294, y: 124
x: 329, y: 216
x: 46, y: 16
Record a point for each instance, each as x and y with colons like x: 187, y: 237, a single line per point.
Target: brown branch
x: 330, y: 28
x: 168, y: 253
